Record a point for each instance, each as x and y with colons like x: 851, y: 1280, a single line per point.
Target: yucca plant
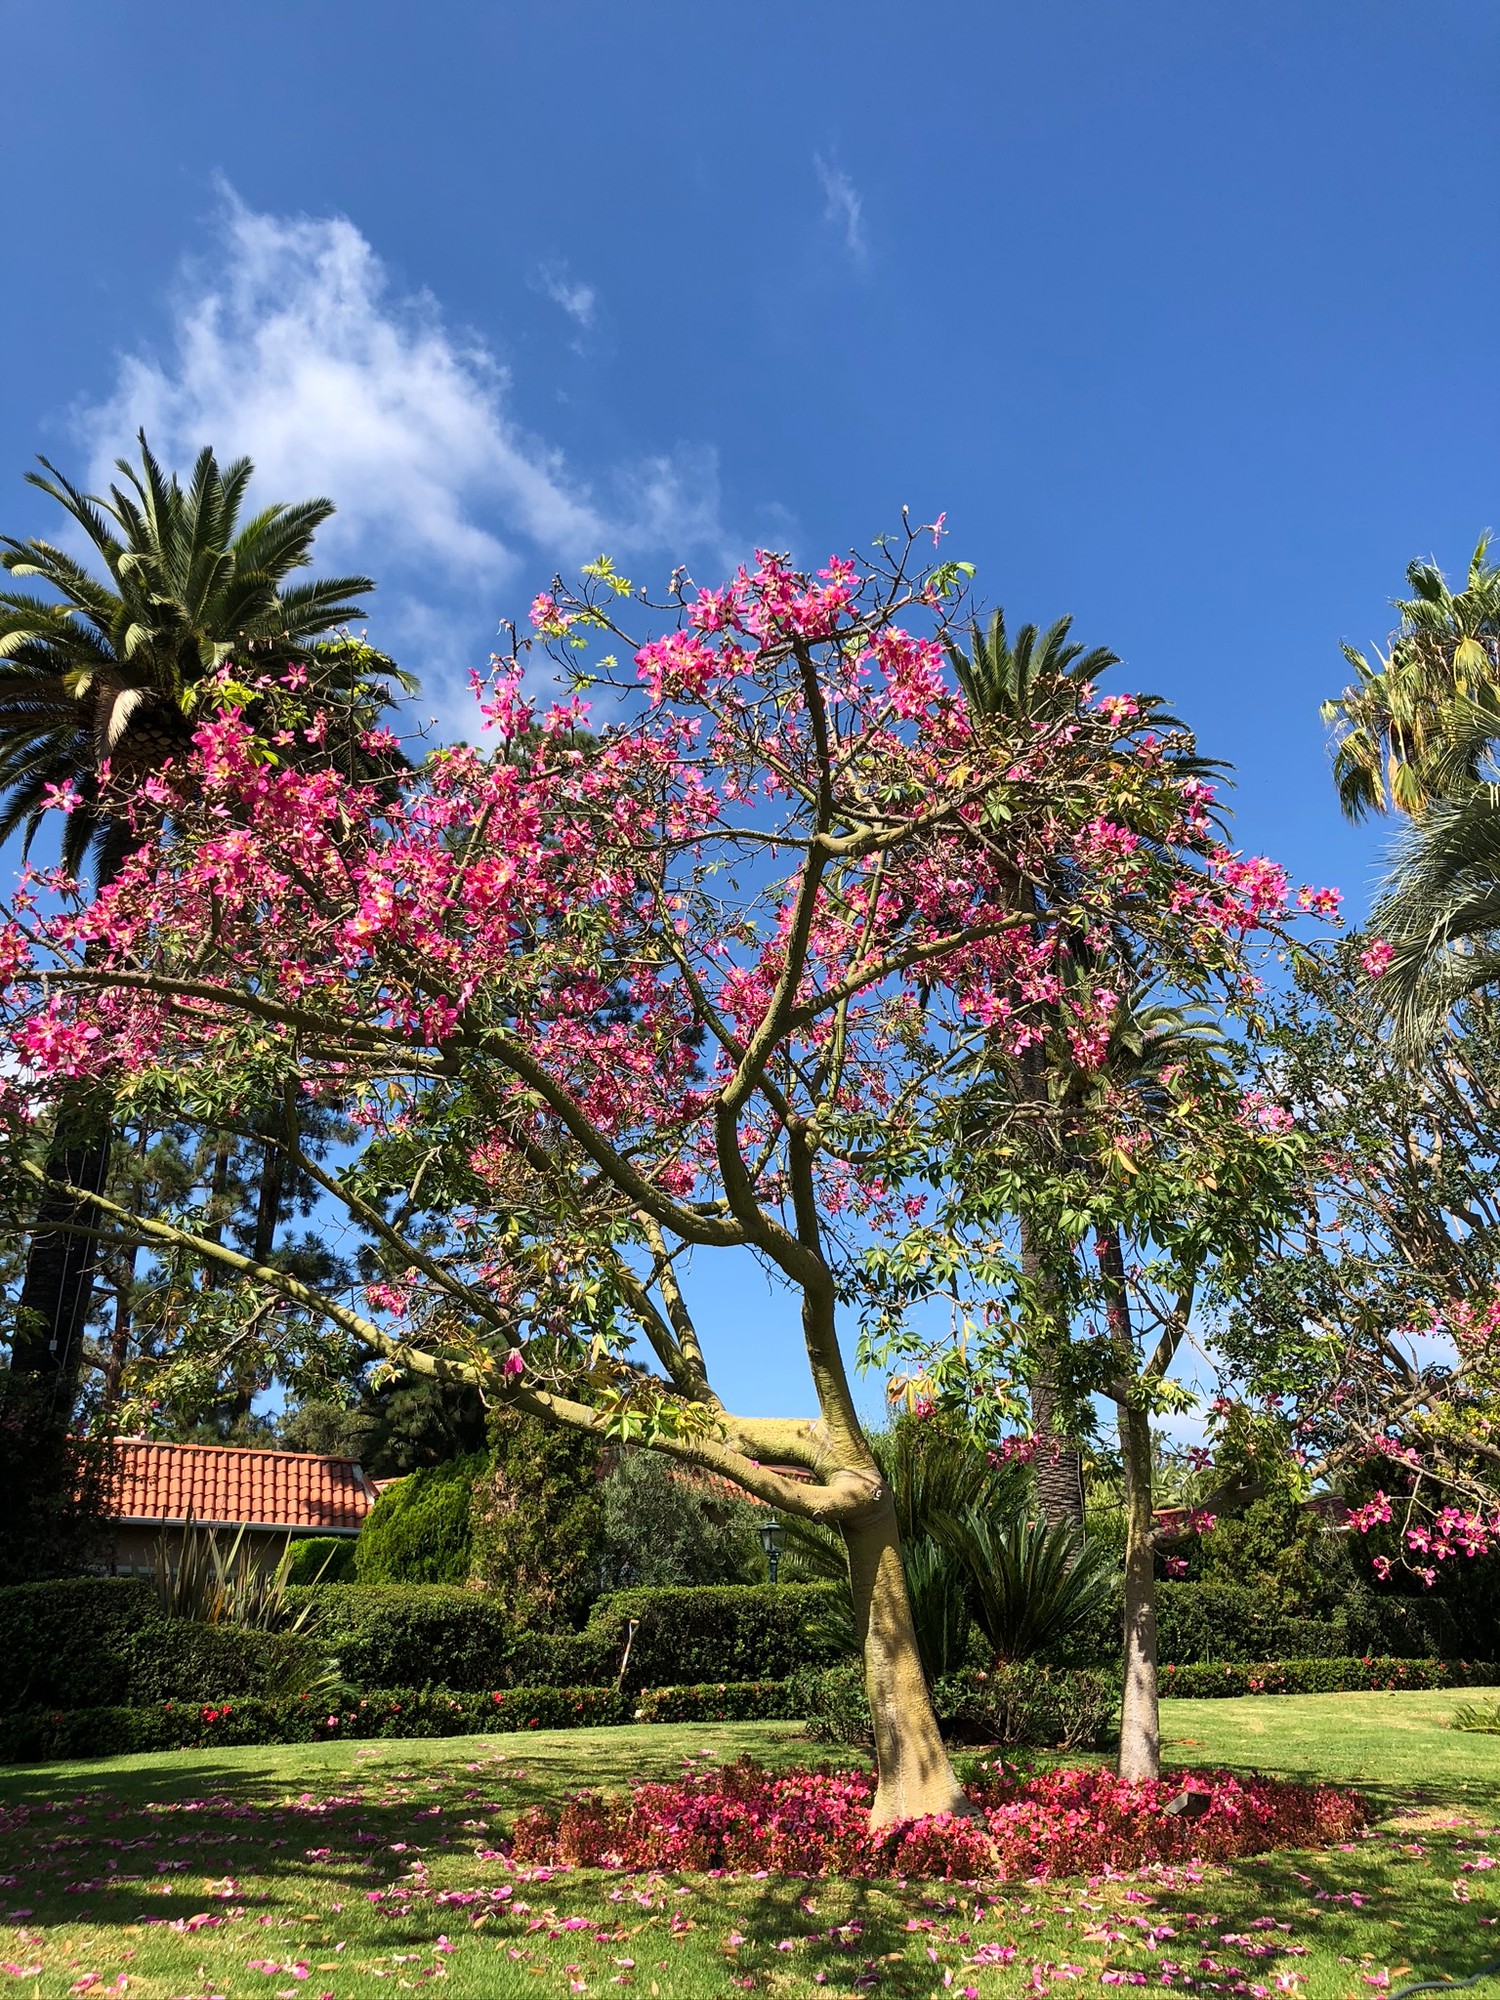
x: 210, y: 1583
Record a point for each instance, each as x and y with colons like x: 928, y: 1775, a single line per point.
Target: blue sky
x: 1184, y: 313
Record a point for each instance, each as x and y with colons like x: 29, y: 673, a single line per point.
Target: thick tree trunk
x: 1140, y: 1724
x: 913, y: 1774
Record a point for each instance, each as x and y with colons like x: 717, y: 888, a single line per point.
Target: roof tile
x: 229, y: 1484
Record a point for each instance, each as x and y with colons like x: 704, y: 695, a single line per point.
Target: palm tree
x: 1393, y: 724
x: 1041, y: 677
x: 1440, y: 912
x: 101, y: 678
x: 1044, y: 678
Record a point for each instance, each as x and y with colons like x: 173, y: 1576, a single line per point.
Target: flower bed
x: 817, y: 1823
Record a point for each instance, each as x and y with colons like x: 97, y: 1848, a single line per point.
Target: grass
x: 122, y: 1873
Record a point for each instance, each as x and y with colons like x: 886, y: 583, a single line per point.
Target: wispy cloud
x: 291, y: 344
x: 842, y: 204
x: 578, y: 300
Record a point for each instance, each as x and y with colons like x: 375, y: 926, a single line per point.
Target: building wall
x: 135, y: 1550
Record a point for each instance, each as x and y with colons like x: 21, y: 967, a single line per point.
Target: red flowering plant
x: 1065, y: 1822
x: 597, y: 1004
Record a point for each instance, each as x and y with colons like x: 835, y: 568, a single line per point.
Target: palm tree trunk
x: 1058, y: 1466
x: 1140, y: 1720
x: 58, y: 1286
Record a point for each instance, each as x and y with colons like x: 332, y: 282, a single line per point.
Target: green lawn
x: 245, y: 1873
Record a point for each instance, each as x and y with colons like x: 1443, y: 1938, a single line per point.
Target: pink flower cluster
x: 817, y: 1823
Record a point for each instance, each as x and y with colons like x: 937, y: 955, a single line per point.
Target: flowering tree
x: 602, y: 1006
x: 1151, y: 1185
x: 1370, y: 1339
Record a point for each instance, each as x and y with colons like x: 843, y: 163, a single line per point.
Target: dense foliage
x: 419, y: 1530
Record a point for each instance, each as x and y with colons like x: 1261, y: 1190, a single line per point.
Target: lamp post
x: 773, y: 1541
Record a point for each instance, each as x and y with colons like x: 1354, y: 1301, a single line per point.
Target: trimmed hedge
x: 82, y: 1642
x: 728, y: 1701
x: 729, y: 1632
x: 398, y: 1712
x: 430, y: 1634
x: 1340, y: 1676
x: 68, y: 1644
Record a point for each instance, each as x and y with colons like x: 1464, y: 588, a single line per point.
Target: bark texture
x: 913, y: 1774
x: 1140, y: 1723
x: 1058, y: 1466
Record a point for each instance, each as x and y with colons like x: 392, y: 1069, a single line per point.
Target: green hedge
x: 322, y: 1559
x: 68, y: 1644
x: 428, y: 1634
x: 1339, y: 1676
x: 399, y: 1712
x: 726, y: 1701
x: 729, y: 1632
x: 1218, y: 1622
x: 82, y: 1642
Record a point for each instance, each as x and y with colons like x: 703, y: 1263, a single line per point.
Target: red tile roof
x: 225, y: 1485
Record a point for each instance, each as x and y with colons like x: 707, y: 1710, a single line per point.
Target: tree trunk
x: 1058, y: 1465
x: 913, y: 1774
x: 58, y: 1286
x: 1140, y: 1723
x: 57, y: 1289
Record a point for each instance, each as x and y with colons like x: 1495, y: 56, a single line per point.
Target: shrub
x: 418, y: 1530
x: 1337, y: 1676
x: 66, y: 1643
x: 322, y: 1559
x: 739, y: 1632
x: 179, y: 1725
x: 817, y: 1823
x: 833, y: 1703
x: 726, y: 1701
x: 1481, y: 1718
x: 1024, y: 1705
x: 536, y: 1520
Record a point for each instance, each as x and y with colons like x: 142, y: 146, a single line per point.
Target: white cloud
x: 290, y: 344
x: 578, y: 300
x: 842, y: 204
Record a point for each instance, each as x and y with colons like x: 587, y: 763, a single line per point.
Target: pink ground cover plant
x: 1028, y: 1825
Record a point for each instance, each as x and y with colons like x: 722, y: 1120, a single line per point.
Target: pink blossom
x: 1377, y: 957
